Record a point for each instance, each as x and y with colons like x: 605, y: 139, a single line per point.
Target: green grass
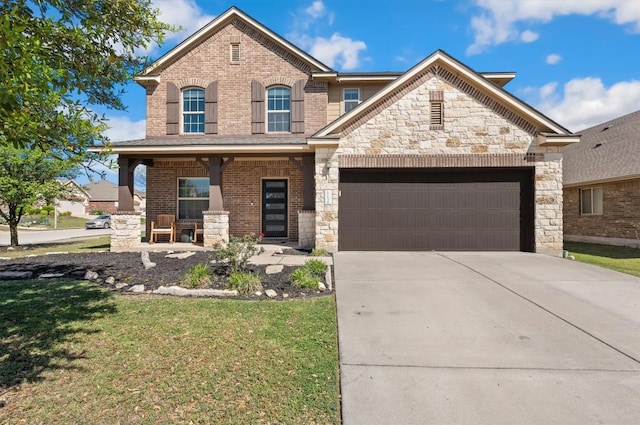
x: 72, y: 353
x: 622, y: 259
x: 93, y: 244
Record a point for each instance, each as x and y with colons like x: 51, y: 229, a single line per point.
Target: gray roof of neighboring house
x: 102, y: 190
x: 105, y: 190
x: 214, y: 140
x: 607, y: 151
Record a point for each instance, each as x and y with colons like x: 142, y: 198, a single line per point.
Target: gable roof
x: 198, y: 36
x: 442, y: 58
x: 103, y: 190
x: 606, y: 152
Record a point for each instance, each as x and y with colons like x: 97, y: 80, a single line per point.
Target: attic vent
x: 597, y: 145
x: 235, y: 52
x: 436, y: 110
x: 606, y: 128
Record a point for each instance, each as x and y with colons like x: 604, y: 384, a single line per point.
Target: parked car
x: 100, y: 222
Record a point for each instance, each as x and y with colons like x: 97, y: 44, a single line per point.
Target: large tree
x: 61, y: 58
x: 27, y: 176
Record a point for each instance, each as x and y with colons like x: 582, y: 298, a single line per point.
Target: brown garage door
x: 436, y: 209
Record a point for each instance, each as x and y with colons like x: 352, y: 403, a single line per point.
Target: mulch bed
x: 127, y: 268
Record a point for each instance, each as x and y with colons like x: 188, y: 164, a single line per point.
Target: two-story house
x: 246, y: 133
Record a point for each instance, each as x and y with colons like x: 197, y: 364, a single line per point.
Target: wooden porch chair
x: 197, y: 230
x: 165, y: 224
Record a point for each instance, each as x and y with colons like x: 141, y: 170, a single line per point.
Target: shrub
x: 97, y: 212
x: 198, y: 276
x: 303, y: 278
x: 244, y: 282
x: 238, y: 251
x: 32, y: 211
x: 47, y: 209
x: 319, y: 252
x: 65, y: 214
x: 316, y: 267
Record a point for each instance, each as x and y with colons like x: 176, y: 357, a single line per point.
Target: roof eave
x: 202, y: 32
x: 479, y: 80
x: 205, y: 149
x: 547, y: 139
x: 601, y: 181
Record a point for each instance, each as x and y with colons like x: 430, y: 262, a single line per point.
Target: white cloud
x: 316, y: 10
x: 122, y: 128
x: 185, y: 14
x: 553, y: 59
x: 496, y: 23
x: 529, y: 36
x: 335, y: 51
x: 584, y: 102
x: 338, y: 51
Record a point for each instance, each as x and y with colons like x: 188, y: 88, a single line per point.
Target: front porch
x: 218, y: 196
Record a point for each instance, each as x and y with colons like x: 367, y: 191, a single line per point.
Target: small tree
x: 28, y: 175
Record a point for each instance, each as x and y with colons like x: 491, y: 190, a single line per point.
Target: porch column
x: 215, y: 184
x: 125, y: 184
x: 308, y: 177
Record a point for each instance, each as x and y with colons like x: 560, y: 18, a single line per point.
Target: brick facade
x: 108, y: 207
x: 259, y: 60
x: 620, y: 211
x: 241, y: 191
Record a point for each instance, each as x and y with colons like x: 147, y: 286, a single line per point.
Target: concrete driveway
x: 486, y: 338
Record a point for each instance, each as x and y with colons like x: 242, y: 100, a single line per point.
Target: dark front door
x: 274, y: 208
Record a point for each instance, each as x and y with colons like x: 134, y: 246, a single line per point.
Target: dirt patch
x: 126, y: 268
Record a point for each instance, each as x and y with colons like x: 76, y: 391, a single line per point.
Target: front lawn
x: 622, y: 259
x: 90, y: 244
x: 73, y: 353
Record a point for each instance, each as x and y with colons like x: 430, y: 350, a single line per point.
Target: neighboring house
x: 602, y: 184
x: 103, y: 196
x: 74, y: 200
x: 246, y: 133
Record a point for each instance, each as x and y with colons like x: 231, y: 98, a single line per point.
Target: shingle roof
x: 606, y: 151
x: 215, y: 140
x: 103, y: 190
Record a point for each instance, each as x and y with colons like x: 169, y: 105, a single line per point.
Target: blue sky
x: 578, y: 61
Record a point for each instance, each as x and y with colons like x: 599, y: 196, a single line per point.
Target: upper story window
x: 591, y: 201
x: 279, y: 109
x: 193, y: 110
x: 350, y: 99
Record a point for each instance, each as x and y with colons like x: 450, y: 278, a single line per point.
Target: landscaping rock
x: 181, y: 255
x: 121, y: 285
x: 56, y: 253
x: 50, y: 275
x: 5, y: 258
x: 285, y: 295
x: 30, y: 255
x: 136, y: 288
x: 184, y: 292
x: 15, y: 275
x: 273, y: 269
x: 278, y: 251
x: 145, y: 260
x: 328, y: 279
x: 322, y: 287
x: 110, y: 280
x: 11, y: 248
x: 271, y: 293
x: 91, y: 275
x: 258, y: 293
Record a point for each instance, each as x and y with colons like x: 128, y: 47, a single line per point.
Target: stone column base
x: 216, y: 228
x: 306, y: 229
x: 126, y: 230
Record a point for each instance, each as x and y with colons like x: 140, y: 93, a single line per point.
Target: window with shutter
x: 211, y: 108
x: 297, y: 107
x: 279, y: 109
x: 173, y: 109
x: 193, y: 110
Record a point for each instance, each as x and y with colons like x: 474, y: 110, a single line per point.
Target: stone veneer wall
x: 125, y: 230
x: 620, y: 216
x: 306, y: 229
x: 401, y: 127
x: 216, y: 228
